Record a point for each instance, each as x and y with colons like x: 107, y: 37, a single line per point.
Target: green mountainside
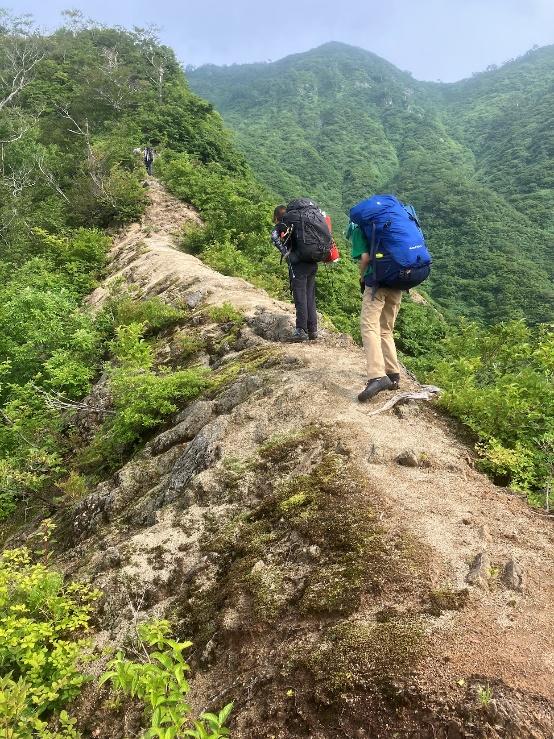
x: 82, y: 392
x: 504, y: 116
x: 338, y: 123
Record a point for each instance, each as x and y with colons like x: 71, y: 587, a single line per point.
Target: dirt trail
x: 505, y: 632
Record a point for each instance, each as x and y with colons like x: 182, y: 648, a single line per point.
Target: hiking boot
x: 298, y: 336
x: 313, y: 335
x: 394, y: 377
x: 375, y: 386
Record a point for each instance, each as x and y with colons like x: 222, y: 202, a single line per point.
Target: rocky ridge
x: 340, y: 574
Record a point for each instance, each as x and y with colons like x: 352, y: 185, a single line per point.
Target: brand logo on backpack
x: 398, y: 253
x: 311, y: 237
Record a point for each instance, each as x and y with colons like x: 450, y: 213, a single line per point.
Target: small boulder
x: 271, y: 325
x: 479, y: 570
x: 209, y: 652
x: 109, y: 560
x: 314, y: 552
x: 259, y: 566
x: 513, y: 576
x: 194, y: 298
x: 408, y: 458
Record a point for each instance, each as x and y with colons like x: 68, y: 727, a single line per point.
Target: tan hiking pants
x: 377, y: 324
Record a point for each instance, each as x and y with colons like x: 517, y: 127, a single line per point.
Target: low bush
x: 42, y: 625
x: 154, y: 313
x: 500, y: 383
x: 159, y: 681
x: 225, y: 313
x: 141, y: 396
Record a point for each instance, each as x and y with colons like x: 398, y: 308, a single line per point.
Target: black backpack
x: 311, y: 238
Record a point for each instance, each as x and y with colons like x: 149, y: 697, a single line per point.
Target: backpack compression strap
x: 373, y: 261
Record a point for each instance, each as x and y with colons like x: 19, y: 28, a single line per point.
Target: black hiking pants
x: 302, y: 283
x: 148, y: 164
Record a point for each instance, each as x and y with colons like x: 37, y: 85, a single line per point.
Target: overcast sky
x: 433, y: 39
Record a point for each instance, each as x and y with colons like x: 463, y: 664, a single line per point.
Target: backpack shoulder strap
x: 411, y: 211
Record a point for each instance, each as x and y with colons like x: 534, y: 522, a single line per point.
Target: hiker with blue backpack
x: 389, y: 246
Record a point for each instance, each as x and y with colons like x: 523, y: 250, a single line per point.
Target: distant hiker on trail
x: 389, y: 246
x: 148, y: 156
x: 303, y: 238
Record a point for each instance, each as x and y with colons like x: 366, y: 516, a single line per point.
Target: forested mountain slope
x: 338, y: 123
x: 504, y: 116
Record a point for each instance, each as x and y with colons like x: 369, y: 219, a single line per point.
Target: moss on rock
x: 335, y: 587
x: 267, y: 588
x: 311, y: 545
x: 356, y: 655
x: 447, y: 600
x: 247, y: 362
x: 283, y: 448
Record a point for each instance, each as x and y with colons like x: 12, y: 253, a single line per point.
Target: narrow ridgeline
x: 341, y: 573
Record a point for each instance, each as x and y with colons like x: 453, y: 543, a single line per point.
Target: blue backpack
x: 398, y: 253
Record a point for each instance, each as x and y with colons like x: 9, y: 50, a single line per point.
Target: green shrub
x: 31, y: 444
x: 13, y: 482
x: 419, y: 329
x: 113, y: 197
x: 68, y: 373
x: 500, y: 383
x: 153, y: 312
x: 225, y: 313
x: 189, y: 345
x: 73, y: 487
x: 124, y: 199
x: 41, y: 644
x: 39, y: 315
x: 159, y: 681
x: 142, y: 398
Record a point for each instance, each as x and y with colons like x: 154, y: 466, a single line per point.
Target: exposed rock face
x: 200, y: 454
x: 270, y: 325
x: 237, y: 393
x: 189, y: 423
x: 93, y: 511
x: 321, y: 579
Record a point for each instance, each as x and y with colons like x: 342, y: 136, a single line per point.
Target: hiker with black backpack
x: 389, y: 245
x: 303, y: 238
